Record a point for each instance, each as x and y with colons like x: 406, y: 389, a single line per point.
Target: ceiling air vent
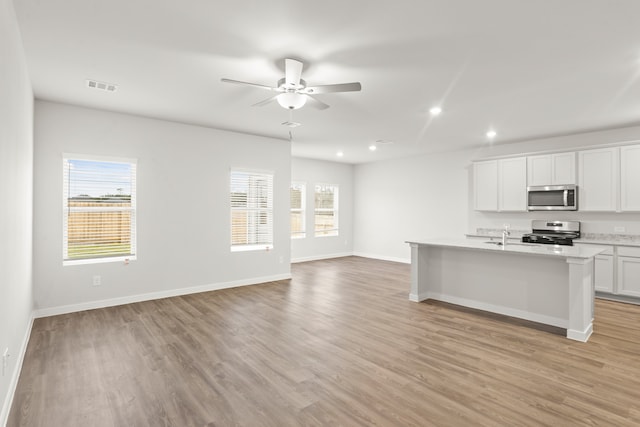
x: 107, y: 87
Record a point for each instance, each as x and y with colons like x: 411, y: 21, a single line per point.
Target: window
x: 326, y: 212
x: 251, y: 210
x: 99, y: 200
x: 298, y: 200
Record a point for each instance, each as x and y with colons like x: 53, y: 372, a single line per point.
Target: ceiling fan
x: 293, y: 92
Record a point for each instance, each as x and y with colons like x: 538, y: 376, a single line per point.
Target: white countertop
x: 513, y: 247
x: 592, y: 239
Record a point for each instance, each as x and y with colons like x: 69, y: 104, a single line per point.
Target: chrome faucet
x: 505, y: 233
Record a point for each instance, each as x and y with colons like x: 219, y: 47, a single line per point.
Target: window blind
x: 99, y: 199
x: 251, y: 210
x: 298, y: 199
x: 326, y: 210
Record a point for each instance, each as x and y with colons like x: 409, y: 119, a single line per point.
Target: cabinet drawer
x: 629, y: 251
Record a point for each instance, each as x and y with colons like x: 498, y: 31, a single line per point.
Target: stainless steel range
x: 553, y: 232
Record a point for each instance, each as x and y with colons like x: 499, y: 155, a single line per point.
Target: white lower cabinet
x: 617, y: 270
x: 604, y: 273
x: 628, y: 271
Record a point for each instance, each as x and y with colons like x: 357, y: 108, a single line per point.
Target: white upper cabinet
x: 512, y: 179
x: 630, y: 178
x: 563, y: 168
x: 500, y: 185
x: 485, y: 185
x: 551, y: 169
x: 598, y: 178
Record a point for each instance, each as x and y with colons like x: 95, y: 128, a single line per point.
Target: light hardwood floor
x: 339, y: 344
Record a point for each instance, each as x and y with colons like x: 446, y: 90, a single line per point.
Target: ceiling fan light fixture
x: 291, y: 100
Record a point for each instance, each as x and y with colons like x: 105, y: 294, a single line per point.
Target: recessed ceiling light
x: 435, y: 111
x: 339, y: 154
x: 491, y: 134
x: 372, y: 147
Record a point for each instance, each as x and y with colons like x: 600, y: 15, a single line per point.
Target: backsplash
x: 613, y: 237
x: 595, y: 237
x: 498, y: 232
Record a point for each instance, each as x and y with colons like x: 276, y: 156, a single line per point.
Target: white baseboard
x: 418, y: 297
x: 91, y: 305
x: 582, y: 336
x: 13, y: 382
x: 320, y: 257
x: 383, y: 257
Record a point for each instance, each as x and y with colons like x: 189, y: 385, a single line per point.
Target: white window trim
x: 303, y: 204
x: 134, y: 244
x: 252, y: 247
x: 335, y: 211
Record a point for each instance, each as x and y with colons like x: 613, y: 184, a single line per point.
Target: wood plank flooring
x: 338, y: 345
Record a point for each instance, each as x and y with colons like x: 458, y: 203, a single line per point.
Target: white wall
x: 430, y: 196
x: 591, y: 222
x: 314, y: 172
x: 16, y: 191
x: 411, y: 198
x: 183, y: 220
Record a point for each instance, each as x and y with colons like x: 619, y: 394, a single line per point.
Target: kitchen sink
x: 498, y: 243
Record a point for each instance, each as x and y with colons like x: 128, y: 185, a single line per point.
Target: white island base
x: 549, y: 285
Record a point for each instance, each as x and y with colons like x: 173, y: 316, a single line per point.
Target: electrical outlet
x: 281, y: 259
x: 97, y: 281
x: 5, y: 360
x: 619, y: 229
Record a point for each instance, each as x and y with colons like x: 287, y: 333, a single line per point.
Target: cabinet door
x: 539, y: 170
x: 604, y: 273
x: 551, y: 169
x: 512, y: 178
x: 563, y: 168
x: 598, y: 180
x: 485, y: 185
x: 629, y: 276
x: 630, y: 178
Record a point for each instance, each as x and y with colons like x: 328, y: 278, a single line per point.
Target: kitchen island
x: 542, y: 283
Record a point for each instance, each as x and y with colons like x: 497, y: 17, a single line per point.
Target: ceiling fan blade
x: 292, y: 72
x: 238, y: 82
x: 341, y: 87
x: 316, y: 104
x: 265, y: 102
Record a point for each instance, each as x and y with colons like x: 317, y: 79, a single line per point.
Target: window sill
x: 247, y: 248
x: 86, y: 261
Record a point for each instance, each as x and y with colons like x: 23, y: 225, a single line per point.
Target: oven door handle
x: 565, y: 197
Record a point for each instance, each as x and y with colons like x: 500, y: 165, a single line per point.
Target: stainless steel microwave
x: 552, y: 198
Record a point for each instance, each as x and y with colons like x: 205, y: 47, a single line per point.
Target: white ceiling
x: 526, y: 68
